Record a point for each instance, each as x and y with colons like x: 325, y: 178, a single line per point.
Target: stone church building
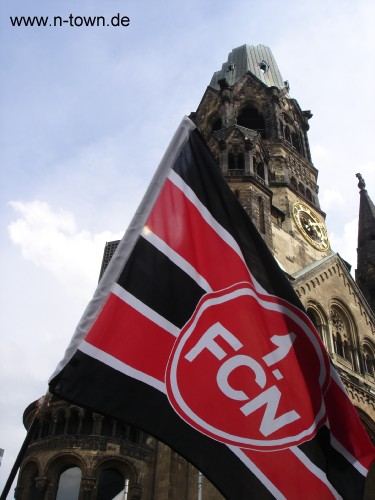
x: 258, y: 136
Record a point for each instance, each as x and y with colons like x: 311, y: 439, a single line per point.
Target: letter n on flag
x: 195, y: 336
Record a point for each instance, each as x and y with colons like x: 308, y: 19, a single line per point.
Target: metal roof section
x: 246, y: 132
x: 314, y: 265
x: 257, y: 60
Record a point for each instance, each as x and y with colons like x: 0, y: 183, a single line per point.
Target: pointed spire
x: 366, y: 226
x: 365, y: 273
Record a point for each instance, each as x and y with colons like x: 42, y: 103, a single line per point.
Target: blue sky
x: 86, y: 114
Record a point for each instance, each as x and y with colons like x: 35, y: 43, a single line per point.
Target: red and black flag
x: 196, y: 336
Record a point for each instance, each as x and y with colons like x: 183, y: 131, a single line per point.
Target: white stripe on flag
x: 211, y: 221
x: 314, y: 470
x: 176, y: 258
x: 118, y: 365
x: 146, y: 311
x: 257, y: 472
x: 334, y: 442
x: 205, y: 213
x: 349, y: 457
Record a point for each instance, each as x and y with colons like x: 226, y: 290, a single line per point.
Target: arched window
x: 112, y: 485
x: 319, y: 318
x: 339, y: 346
x: 69, y: 484
x: 293, y: 182
x: 287, y: 135
x: 28, y: 482
x: 87, y: 423
x: 281, y: 128
x: 134, y: 434
x: 45, y: 425
x: 368, y: 360
x: 107, y: 427
x: 309, y: 195
x: 250, y: 118
x: 240, y: 161
x: 259, y: 170
x: 59, y: 423
x: 315, y: 320
x: 236, y: 161
x: 120, y: 430
x: 301, y: 188
x: 296, y: 141
x: 73, y: 422
x: 343, y: 333
x: 218, y: 125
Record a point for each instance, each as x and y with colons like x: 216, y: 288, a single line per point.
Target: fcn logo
x: 248, y: 370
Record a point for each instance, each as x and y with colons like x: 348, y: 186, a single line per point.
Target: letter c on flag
x: 231, y: 364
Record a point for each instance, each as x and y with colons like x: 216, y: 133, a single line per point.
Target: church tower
x: 258, y: 135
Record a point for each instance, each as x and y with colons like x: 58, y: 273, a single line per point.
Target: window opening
x: 69, y: 484
x: 112, y: 485
x: 264, y: 66
x: 250, y: 118
x: 236, y: 161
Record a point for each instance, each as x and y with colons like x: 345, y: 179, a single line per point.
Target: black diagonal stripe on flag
x: 347, y: 481
x: 193, y: 293
x: 160, y: 284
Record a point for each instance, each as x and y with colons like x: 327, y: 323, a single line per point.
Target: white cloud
x: 331, y: 198
x: 51, y: 240
x: 345, y: 243
x: 319, y: 152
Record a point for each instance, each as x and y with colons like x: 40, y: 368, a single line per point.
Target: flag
x: 196, y: 336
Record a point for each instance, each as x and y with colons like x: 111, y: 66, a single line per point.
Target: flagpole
x: 200, y: 485
x: 42, y: 405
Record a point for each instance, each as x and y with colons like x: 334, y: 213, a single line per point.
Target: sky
x: 86, y: 115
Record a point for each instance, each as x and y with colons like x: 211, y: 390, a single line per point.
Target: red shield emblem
x: 248, y: 369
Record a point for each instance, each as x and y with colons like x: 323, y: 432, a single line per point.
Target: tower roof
x: 257, y: 60
x: 366, y: 225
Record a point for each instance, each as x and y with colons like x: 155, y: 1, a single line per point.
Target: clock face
x: 312, y: 228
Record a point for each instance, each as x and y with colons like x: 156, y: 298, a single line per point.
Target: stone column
x: 361, y: 362
x: 55, y: 419
x: 87, y: 487
x: 355, y: 359
x: 81, y: 416
x: 114, y: 427
x: 67, y: 418
x: 135, y: 492
x: 41, y: 483
x: 97, y: 424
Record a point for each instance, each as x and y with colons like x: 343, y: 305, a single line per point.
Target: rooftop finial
x: 361, y: 182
